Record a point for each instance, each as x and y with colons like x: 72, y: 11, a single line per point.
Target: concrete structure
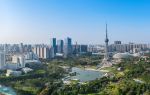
x: 119, y: 57
x: 18, y: 61
x: 122, y: 56
x: 46, y: 53
x: 131, y: 47
x: 29, y: 56
x: 52, y: 53
x: 21, y: 48
x: 42, y: 51
x: 79, y: 49
x: 117, y: 42
x: 96, y: 48
x: 83, y: 48
x: 106, y: 57
x: 137, y: 54
x: 106, y: 61
x: 13, y: 73
x: 67, y: 47
x: 53, y: 44
x: 2, y: 60
x: 60, y: 44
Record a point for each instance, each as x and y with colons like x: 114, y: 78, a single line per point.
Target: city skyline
x: 36, y: 21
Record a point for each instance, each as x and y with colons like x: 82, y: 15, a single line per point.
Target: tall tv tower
x: 106, y: 57
x: 106, y: 61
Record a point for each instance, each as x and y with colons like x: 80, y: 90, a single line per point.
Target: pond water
x: 6, y: 90
x: 86, y: 75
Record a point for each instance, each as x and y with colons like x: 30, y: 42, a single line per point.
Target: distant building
x: 136, y: 50
x: 30, y: 56
x: 2, y: 60
x: 27, y: 48
x: 38, y: 51
x: 117, y: 42
x: 83, y: 48
x: 96, y: 48
x: 52, y: 54
x: 67, y: 47
x: 17, y: 62
x: 53, y: 44
x: 13, y: 73
x: 120, y: 56
x: 75, y: 49
x: 60, y: 45
x: 42, y: 51
x: 78, y: 49
x: 131, y: 47
x: 46, y: 53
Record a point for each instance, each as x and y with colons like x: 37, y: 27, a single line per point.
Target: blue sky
x: 36, y: 21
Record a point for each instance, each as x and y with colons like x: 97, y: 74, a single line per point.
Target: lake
x: 6, y: 91
x: 86, y: 75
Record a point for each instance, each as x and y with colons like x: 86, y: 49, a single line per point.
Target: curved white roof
x: 122, y: 56
x: 136, y: 54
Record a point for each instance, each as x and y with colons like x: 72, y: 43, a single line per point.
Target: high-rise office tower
x: 67, y: 47
x: 2, y: 60
x: 60, y: 44
x: 75, y: 49
x: 83, y: 48
x: 42, y: 51
x: 46, y: 53
x: 117, y: 42
x: 52, y: 55
x: 21, y: 49
x: 53, y: 44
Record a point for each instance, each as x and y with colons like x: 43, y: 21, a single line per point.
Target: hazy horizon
x: 36, y: 21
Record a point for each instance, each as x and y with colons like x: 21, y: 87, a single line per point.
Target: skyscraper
x: 42, y: 51
x: 67, y: 47
x: 117, y: 42
x: 75, y: 49
x: 2, y: 60
x: 53, y: 44
x: 21, y: 48
x: 60, y: 44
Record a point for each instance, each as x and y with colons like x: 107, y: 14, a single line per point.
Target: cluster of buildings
x: 14, y: 57
x: 117, y: 46
x: 131, y: 47
x: 114, y: 53
x: 17, y: 55
x: 59, y: 48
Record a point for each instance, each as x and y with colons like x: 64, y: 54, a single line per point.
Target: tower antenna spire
x: 106, y: 32
x: 106, y: 45
x: 106, y: 61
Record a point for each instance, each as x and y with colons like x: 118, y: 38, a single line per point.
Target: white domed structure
x: 122, y: 56
x: 137, y: 55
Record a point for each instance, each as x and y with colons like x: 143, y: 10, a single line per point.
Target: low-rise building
x: 13, y: 73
